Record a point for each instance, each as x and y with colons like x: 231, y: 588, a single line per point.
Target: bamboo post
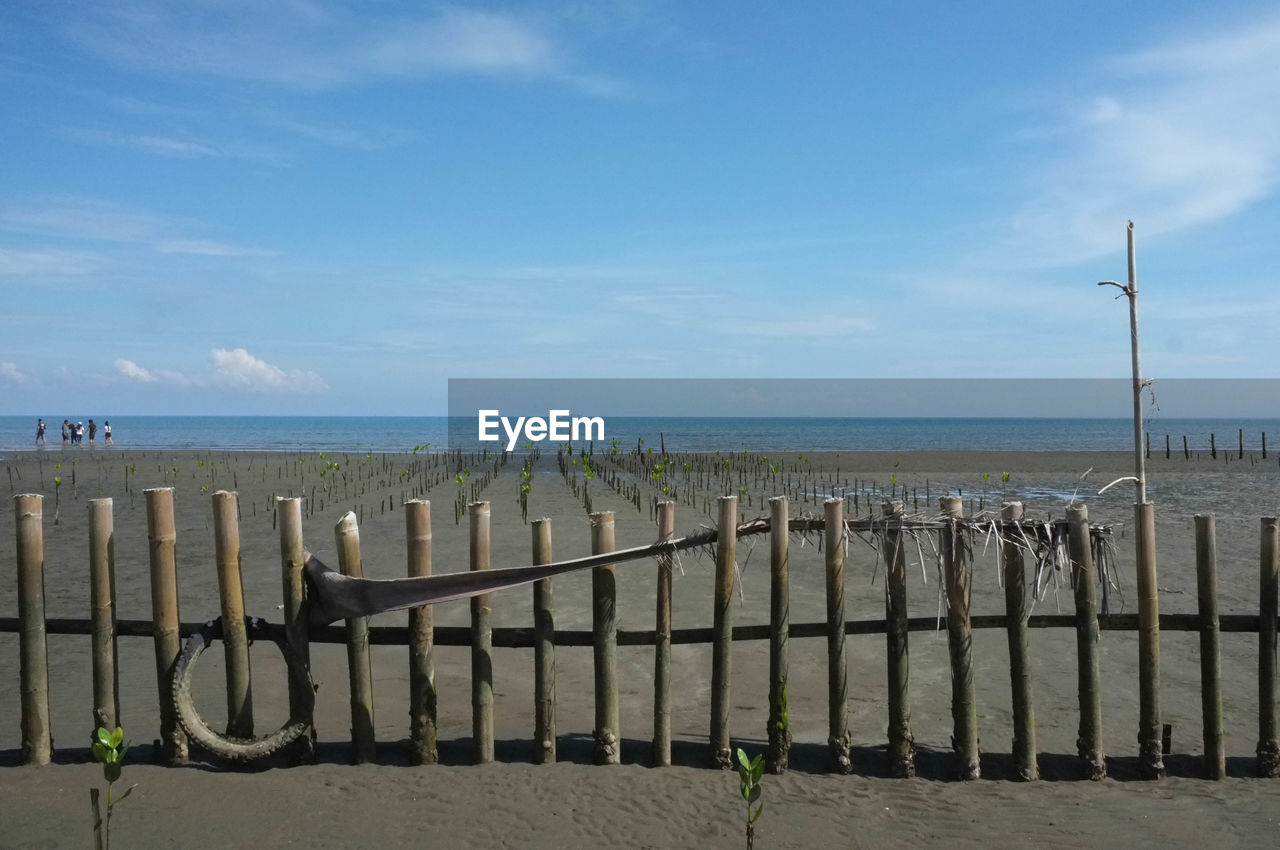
x: 604, y: 643
x: 346, y: 534
x: 481, y: 641
x: 901, y: 743
x: 779, y: 633
x: 1268, y: 746
x: 1015, y: 606
x: 958, y: 578
x: 162, y: 540
x: 1149, y: 726
x: 235, y: 640
x: 1089, y: 742
x: 33, y: 642
x: 722, y: 632
x: 102, y: 604
x: 422, y: 673
x: 292, y: 557
x: 544, y: 651
x: 838, y: 739
x: 662, y: 642
x: 1215, y: 758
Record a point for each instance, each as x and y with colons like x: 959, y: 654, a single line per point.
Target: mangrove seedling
x: 109, y: 749
x: 750, y: 774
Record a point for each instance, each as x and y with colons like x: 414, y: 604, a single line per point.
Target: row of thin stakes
x: 892, y: 531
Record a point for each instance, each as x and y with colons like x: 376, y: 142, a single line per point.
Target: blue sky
x: 324, y: 208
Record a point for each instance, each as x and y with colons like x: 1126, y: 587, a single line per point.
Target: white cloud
x: 133, y: 371
x: 10, y: 373
x: 238, y: 368
x: 50, y: 261
x: 809, y: 327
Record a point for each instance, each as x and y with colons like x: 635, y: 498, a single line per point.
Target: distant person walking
x: 40, y: 432
x: 106, y: 433
x: 66, y: 433
x: 93, y: 431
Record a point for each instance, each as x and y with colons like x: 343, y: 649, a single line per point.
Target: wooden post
x: 604, y: 643
x: 102, y: 604
x: 1186, y: 453
x: 1213, y: 447
x: 363, y: 749
x: 1264, y: 445
x: 1241, y: 435
x: 1215, y: 757
x: 837, y: 662
x: 662, y: 642
x: 958, y: 579
x: 1089, y: 742
x: 422, y: 672
x: 1016, y: 611
x: 292, y: 557
x: 1166, y: 446
x: 481, y: 641
x: 901, y: 744
x: 544, y: 651
x: 1149, y: 726
x: 235, y: 640
x: 1268, y: 745
x: 162, y: 538
x: 779, y: 632
x: 33, y: 642
x: 722, y: 632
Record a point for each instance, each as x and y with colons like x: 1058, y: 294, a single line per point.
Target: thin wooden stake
x: 235, y: 639
x: 604, y: 642
x: 779, y: 633
x: 1015, y: 607
x: 901, y: 743
x: 162, y: 538
x: 481, y: 641
x: 288, y: 518
x: 1089, y: 742
x: 1215, y: 757
x: 838, y: 739
x: 662, y: 642
x: 422, y: 673
x: 544, y: 651
x: 33, y: 642
x: 363, y: 748
x: 102, y: 604
x: 1150, y: 728
x: 1268, y: 745
x: 958, y: 577
x: 722, y: 633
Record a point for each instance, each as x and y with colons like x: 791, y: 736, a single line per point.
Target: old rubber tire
x: 224, y: 746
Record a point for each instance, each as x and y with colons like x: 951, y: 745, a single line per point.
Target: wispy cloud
x: 48, y: 262
x: 10, y: 373
x: 134, y: 372
x: 240, y: 369
x: 1177, y: 135
x: 352, y: 138
x: 171, y: 146
x: 303, y: 45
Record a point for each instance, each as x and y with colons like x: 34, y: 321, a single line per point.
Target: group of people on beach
x: 73, y: 434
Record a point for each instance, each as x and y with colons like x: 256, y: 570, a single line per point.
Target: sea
x: 390, y: 434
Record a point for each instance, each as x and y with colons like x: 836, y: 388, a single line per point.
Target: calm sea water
x: 402, y: 433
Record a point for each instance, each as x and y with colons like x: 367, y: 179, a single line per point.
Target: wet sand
x: 516, y: 804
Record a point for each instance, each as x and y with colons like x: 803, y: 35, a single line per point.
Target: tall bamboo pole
x: 422, y: 673
x: 1215, y: 757
x: 1089, y: 742
x: 162, y: 538
x: 481, y: 641
x: 1016, y: 610
x: 292, y: 557
x: 235, y: 640
x: 604, y: 643
x: 958, y: 577
x: 102, y: 602
x: 1268, y: 743
x: 722, y: 632
x: 33, y: 648
x: 544, y: 651
x: 1149, y: 726
x: 838, y: 739
x: 779, y: 633
x: 662, y: 642
x: 346, y: 534
x: 901, y: 742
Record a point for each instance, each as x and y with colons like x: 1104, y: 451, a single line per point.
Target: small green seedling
x: 750, y: 774
x: 109, y: 750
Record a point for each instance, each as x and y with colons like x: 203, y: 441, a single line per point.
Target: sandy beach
x: 514, y: 803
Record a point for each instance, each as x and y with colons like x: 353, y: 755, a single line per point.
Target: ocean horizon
x: 388, y: 434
